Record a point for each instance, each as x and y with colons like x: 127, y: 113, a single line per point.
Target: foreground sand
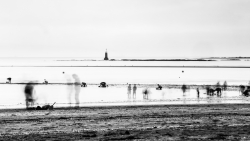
x: 168, y: 122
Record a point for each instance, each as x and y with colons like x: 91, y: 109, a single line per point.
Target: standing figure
x: 29, y: 95
x: 134, y: 91
x: 145, y: 93
x: 77, y: 86
x: 208, y: 90
x: 198, y: 92
x: 184, y: 88
x: 129, y: 91
x: 218, y: 90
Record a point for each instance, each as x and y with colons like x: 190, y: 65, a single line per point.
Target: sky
x: 126, y: 28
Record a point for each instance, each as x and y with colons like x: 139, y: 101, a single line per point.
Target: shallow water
x: 21, y: 71
x: 113, y: 95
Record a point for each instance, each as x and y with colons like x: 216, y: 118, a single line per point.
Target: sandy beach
x: 158, y: 122
x: 138, y: 70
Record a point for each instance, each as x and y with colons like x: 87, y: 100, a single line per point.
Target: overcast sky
x: 126, y: 28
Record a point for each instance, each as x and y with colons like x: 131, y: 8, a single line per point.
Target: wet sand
x: 158, y: 122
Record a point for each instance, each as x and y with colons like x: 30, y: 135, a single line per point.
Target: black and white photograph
x: 141, y: 70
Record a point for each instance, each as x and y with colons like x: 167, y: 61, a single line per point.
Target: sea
x: 117, y: 74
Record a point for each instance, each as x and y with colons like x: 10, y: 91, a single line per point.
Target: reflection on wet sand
x: 118, y: 95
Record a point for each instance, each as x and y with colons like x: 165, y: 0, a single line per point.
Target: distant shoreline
x: 192, y: 86
x: 143, y: 66
x: 176, y: 59
x: 144, y: 60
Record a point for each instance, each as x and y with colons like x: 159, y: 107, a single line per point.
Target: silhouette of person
x: 129, y: 91
x: 145, y: 93
x: 184, y: 88
x: 208, y: 89
x: 77, y: 87
x: 198, y: 92
x: 134, y: 91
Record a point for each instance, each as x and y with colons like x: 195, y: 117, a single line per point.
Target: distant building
x: 106, y: 55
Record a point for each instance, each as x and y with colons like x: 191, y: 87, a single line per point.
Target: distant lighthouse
x: 106, y: 55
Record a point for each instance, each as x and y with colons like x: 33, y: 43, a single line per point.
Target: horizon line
x: 128, y: 57
x: 144, y: 66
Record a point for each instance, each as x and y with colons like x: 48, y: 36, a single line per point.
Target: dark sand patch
x: 165, y: 122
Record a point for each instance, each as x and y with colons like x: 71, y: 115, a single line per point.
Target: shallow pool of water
x: 12, y: 96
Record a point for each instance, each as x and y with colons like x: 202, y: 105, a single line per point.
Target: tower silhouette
x: 106, y: 55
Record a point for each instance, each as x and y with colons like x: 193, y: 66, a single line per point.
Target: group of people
x: 145, y: 91
x: 209, y: 91
x: 29, y: 90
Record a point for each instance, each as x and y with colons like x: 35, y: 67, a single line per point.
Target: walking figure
x: 134, y: 91
x: 198, y: 92
x: 129, y: 91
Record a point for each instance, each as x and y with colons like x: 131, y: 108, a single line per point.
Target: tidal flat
x: 148, y: 122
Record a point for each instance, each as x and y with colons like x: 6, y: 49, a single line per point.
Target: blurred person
x: 184, y: 88
x: 145, y: 93
x: 77, y: 86
x: 134, y: 91
x: 69, y: 86
x: 198, y: 92
x: 29, y: 94
x: 129, y: 91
